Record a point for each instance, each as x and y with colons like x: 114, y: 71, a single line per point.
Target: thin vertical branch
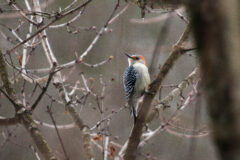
x: 57, y: 131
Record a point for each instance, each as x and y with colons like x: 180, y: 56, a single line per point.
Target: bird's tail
x: 132, y: 109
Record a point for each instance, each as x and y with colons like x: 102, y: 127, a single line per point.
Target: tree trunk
x: 217, y: 38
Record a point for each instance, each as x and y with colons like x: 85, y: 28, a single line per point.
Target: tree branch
x: 23, y: 116
x: 8, y: 121
x: 44, y: 89
x: 174, y: 93
x: 7, y: 84
x: 135, y: 136
x: 57, y: 18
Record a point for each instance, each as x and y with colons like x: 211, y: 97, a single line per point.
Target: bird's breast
x: 143, y: 79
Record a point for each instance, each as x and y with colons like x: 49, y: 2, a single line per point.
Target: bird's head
x: 132, y: 59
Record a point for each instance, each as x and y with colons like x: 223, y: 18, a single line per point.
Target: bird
x: 136, y: 80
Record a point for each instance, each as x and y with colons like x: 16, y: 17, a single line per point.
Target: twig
x: 177, y: 91
x: 69, y: 6
x: 165, y: 124
x: 13, y: 3
x: 107, y: 117
x: 8, y: 121
x: 106, y: 142
x: 74, y: 88
x: 66, y: 126
x: 174, y: 93
x: 98, y: 64
x: 119, y: 13
x: 58, y: 134
x: 13, y: 31
x: 181, y: 16
x: 58, y: 17
x: 35, y: 152
x: 69, y: 22
x: 197, y: 135
x: 99, y: 33
x: 44, y: 89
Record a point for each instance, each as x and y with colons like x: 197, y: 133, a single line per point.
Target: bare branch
x: 44, y: 89
x: 69, y: 22
x: 21, y: 12
x: 57, y: 18
x: 58, y: 134
x: 165, y: 124
x: 8, y: 121
x: 66, y: 126
x: 196, y: 135
x: 174, y: 93
x: 100, y: 32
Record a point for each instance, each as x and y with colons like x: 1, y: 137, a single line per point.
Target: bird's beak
x: 128, y: 55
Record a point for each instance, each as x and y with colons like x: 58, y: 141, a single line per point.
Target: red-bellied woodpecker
x: 136, y: 80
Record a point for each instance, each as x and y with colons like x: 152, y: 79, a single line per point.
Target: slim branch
x: 44, y: 89
x: 57, y: 18
x: 58, y: 134
x: 21, y: 12
x: 174, y: 93
x: 8, y: 121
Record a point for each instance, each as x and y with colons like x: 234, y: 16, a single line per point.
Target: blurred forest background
x: 191, y: 137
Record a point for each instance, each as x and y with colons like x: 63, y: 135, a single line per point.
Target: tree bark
x: 215, y: 33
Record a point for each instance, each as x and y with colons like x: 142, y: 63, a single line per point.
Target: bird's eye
x: 137, y: 58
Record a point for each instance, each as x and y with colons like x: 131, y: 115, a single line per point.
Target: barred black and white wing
x: 129, y: 80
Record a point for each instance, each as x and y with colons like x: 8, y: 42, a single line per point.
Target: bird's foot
x: 151, y: 93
